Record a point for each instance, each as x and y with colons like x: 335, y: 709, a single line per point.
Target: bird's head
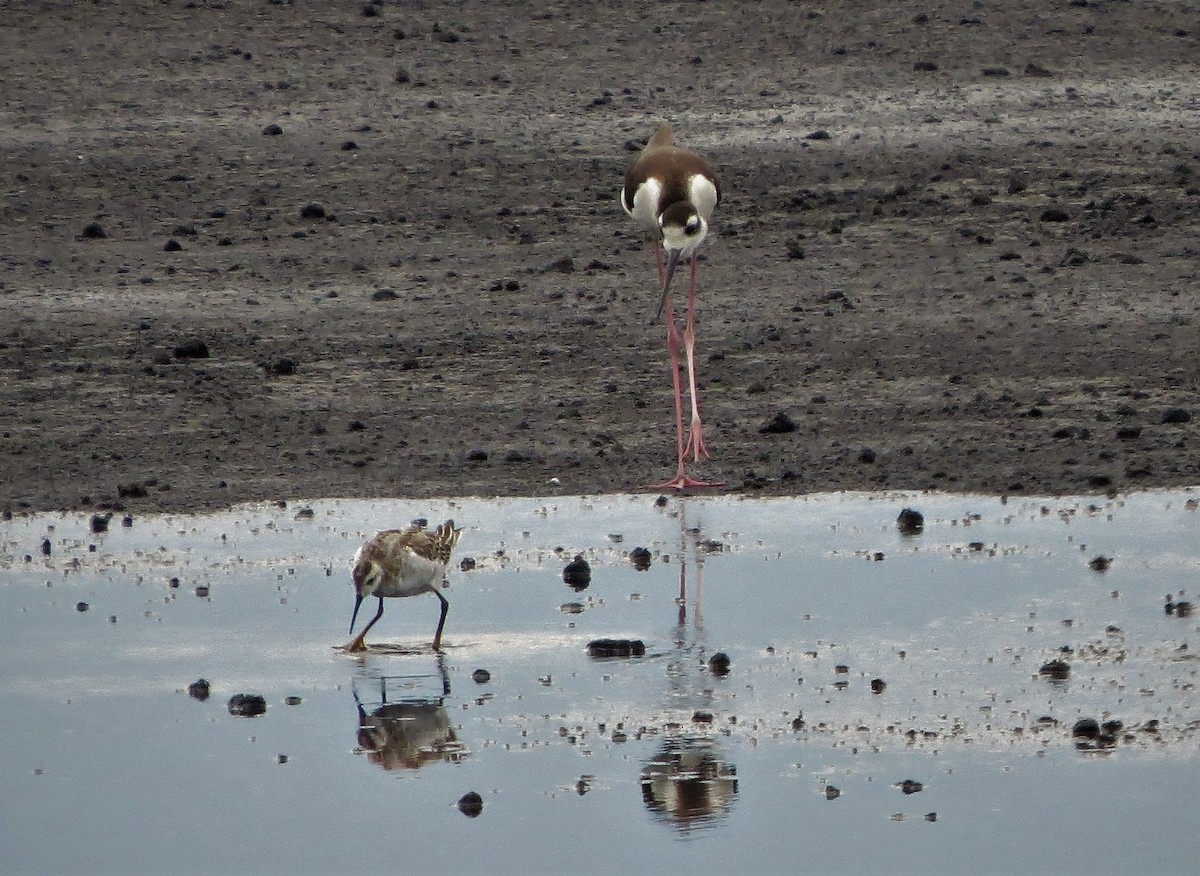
x: 683, y: 229
x: 365, y: 578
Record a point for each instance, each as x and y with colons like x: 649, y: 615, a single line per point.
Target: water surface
x: 790, y: 763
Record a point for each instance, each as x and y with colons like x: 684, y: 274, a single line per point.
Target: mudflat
x: 259, y: 250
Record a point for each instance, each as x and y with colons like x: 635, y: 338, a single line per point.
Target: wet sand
x: 956, y: 249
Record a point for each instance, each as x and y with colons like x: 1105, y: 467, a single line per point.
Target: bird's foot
x: 355, y: 647
x: 681, y: 482
x: 695, y: 444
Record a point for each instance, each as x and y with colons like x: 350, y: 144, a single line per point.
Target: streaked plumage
x: 402, y: 562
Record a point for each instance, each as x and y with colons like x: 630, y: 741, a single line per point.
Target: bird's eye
x: 693, y: 225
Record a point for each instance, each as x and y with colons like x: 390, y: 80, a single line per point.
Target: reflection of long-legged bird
x: 671, y: 191
x: 402, y: 562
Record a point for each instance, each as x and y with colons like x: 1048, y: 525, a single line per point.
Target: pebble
x: 577, y: 574
x: 616, y: 648
x: 470, y: 804
x: 246, y: 705
x: 199, y: 689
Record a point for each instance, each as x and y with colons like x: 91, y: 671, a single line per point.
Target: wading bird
x: 402, y: 562
x: 671, y: 191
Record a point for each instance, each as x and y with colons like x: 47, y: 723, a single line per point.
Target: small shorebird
x: 402, y: 562
x: 671, y: 191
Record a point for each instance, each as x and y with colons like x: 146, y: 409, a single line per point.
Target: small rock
x: 191, y: 349
x: 272, y: 130
x: 312, y: 210
x: 470, y: 804
x: 578, y: 574
x: 878, y: 685
x: 1086, y: 728
x: 247, y: 705
x: 780, y: 425
x: 908, y: 786
x: 172, y: 245
x: 45, y: 547
x: 93, y: 231
x: 99, y: 522
x: 81, y: 606
x: 910, y: 522
x: 284, y: 366
x: 818, y: 135
x: 616, y: 648
x: 1054, y: 214
x: 639, y: 557
x: 199, y: 689
x: 1058, y: 670
x: 481, y: 676
x: 1177, y: 415
x: 718, y: 664
x: 1100, y: 564
x: 467, y: 564
x: 832, y: 793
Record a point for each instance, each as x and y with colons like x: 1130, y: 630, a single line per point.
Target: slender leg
x: 681, y: 478
x: 695, y: 442
x: 695, y: 439
x: 359, y: 643
x: 437, y: 638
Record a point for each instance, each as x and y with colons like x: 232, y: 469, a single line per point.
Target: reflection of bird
x: 688, y: 784
x: 671, y: 191
x: 402, y: 562
x: 409, y: 733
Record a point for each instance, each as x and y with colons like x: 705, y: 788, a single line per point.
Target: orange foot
x: 355, y: 647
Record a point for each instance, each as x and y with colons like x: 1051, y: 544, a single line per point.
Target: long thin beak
x: 672, y: 262
x: 357, y: 602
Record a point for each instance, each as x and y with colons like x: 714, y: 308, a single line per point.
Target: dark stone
x: 247, y: 705
x: 1086, y: 728
x: 577, y: 574
x: 908, y: 786
x: 313, y: 210
x: 832, y: 793
x: 481, y: 676
x: 780, y: 425
x: 639, y: 557
x: 199, y: 689
x: 191, y: 349
x: 349, y: 146
x: 1100, y: 563
x: 477, y: 454
x: 718, y: 664
x: 925, y: 66
x: 467, y: 564
x: 470, y: 804
x: 272, y: 130
x: 1058, y: 670
x: 99, y: 522
x: 284, y: 366
x: 1054, y: 214
x: 81, y: 606
x: 1177, y: 415
x: 878, y: 685
x: 818, y: 135
x: 172, y: 245
x: 616, y: 648
x: 93, y: 231
x: 45, y: 547
x: 910, y: 522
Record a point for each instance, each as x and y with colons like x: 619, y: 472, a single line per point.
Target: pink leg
x: 681, y: 479
x: 695, y: 442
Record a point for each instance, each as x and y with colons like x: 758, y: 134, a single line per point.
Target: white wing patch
x: 703, y: 195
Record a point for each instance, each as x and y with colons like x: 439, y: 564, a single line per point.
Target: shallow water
x: 598, y: 765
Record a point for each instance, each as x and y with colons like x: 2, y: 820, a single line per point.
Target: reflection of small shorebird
x: 402, y: 562
x: 671, y: 191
